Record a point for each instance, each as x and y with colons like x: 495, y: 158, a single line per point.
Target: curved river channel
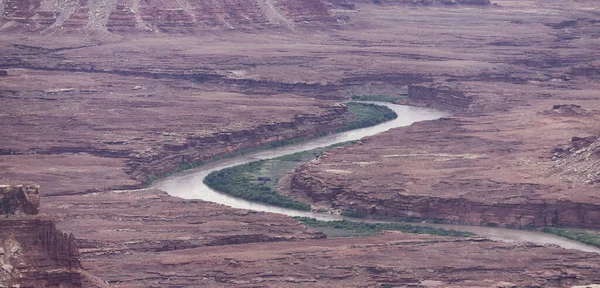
x: 189, y: 184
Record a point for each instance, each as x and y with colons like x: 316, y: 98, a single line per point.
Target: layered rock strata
x: 114, y: 228
x: 102, y: 122
x: 192, y: 149
x: 443, y: 98
x: 391, y: 260
x: 160, y: 16
x: 35, y: 254
x: 439, y: 170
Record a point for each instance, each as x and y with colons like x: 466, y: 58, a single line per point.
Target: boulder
x: 8, y: 268
x: 17, y: 199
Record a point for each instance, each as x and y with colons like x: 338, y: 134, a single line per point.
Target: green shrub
x: 236, y: 181
x: 353, y: 213
x: 366, y: 229
x: 368, y: 115
x: 583, y: 236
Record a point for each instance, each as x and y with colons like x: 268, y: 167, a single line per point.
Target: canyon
x: 101, y: 97
x: 48, y: 259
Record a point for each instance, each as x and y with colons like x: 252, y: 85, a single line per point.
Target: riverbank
x: 589, y: 237
x: 362, y: 115
x: 347, y: 228
x: 258, y: 181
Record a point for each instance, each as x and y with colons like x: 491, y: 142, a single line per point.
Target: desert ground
x: 100, y: 97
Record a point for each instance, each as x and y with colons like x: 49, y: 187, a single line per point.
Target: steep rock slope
x: 159, y: 15
x: 35, y: 254
x: 578, y: 161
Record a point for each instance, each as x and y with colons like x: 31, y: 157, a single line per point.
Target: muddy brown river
x: 190, y: 185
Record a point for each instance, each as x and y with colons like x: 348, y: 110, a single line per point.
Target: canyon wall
x: 438, y: 97
x: 440, y: 170
x: 33, y: 253
x: 174, y: 156
x: 537, y: 213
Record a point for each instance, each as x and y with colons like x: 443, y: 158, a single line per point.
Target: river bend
x: 190, y: 185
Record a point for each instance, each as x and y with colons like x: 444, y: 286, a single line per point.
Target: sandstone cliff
x: 34, y: 254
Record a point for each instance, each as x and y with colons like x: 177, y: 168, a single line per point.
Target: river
x: 189, y: 184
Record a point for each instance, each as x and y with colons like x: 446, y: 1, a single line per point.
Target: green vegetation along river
x: 190, y: 184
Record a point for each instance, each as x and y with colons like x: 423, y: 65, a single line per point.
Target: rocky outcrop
x: 33, y: 253
x: 578, y: 161
x: 119, y: 227
x: 19, y: 199
x: 439, y: 97
x: 341, y: 4
x: 567, y: 110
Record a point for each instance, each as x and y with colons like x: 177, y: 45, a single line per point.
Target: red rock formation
x: 171, y: 156
x: 442, y: 98
x: 567, y: 110
x: 38, y: 255
x: 578, y: 161
x: 19, y: 199
x: 451, y: 210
